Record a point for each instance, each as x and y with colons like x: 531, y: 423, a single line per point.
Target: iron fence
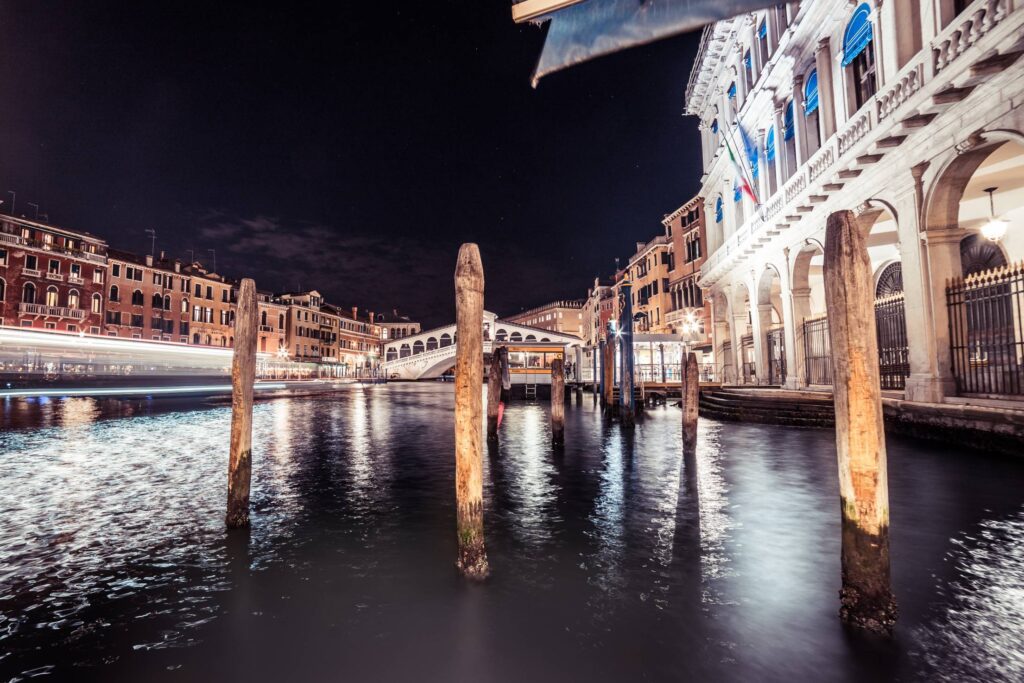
x: 893, y: 351
x: 817, y: 352
x: 728, y: 371
x: 747, y: 354
x: 986, y: 332
x: 776, y: 339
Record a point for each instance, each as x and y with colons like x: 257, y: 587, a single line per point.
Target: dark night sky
x: 350, y: 150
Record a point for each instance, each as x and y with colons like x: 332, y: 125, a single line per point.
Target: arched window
x: 859, y: 55
x: 719, y: 210
x: 167, y: 302
x: 404, y: 351
x: 515, y: 337
x: 52, y: 296
x: 769, y: 159
x: 417, y: 347
x: 28, y: 293
x: 97, y: 304
x: 446, y: 340
x: 158, y: 302
x: 195, y: 338
x: 530, y: 337
x: 263, y: 318
x: 502, y: 335
x: 544, y: 339
x: 431, y: 343
x: 391, y: 354
x: 114, y: 294
x: 811, y: 112
x: 3, y: 289
x: 184, y: 305
x: 890, y: 280
x: 748, y: 70
x: 280, y: 321
x: 137, y: 298
x: 73, y: 299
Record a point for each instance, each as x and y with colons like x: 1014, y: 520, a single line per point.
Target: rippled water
x: 612, y: 559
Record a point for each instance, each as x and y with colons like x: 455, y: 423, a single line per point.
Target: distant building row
x: 56, y: 279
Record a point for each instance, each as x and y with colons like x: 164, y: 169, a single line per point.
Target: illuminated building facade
x: 689, y: 314
x: 648, y: 273
x: 564, y: 317
x: 147, y: 298
x: 395, y: 326
x: 213, y: 307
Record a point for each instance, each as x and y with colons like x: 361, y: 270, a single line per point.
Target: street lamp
x: 995, y: 229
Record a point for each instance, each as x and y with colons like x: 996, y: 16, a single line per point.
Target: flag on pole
x: 741, y: 173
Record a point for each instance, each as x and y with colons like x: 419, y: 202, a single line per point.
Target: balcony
x: 266, y: 328
x: 74, y: 280
x: 51, y: 311
x: 56, y: 277
x: 30, y: 272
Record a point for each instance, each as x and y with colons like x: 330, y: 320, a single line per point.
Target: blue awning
x: 811, y: 94
x: 585, y: 30
x: 788, y: 129
x: 769, y: 145
x: 732, y: 91
x: 714, y: 126
x: 719, y: 210
x: 858, y: 33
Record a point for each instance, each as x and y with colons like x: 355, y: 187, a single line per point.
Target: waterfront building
x: 906, y: 112
x: 51, y: 278
x: 597, y: 311
x: 648, y: 272
x: 395, y: 326
x: 305, y: 332
x: 273, y: 324
x: 147, y: 298
x: 359, y: 341
x: 689, y: 314
x: 214, y: 299
x: 564, y: 317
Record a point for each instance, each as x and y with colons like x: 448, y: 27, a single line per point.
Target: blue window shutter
x: 762, y: 32
x: 732, y: 91
x: 714, y: 126
x: 769, y: 145
x: 858, y: 33
x: 753, y: 167
x: 737, y: 193
x: 719, y: 210
x: 811, y: 94
x: 789, y: 130
x: 746, y: 61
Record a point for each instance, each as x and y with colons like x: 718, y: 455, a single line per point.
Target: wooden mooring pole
x: 557, y: 402
x: 866, y: 594
x: 243, y: 377
x: 469, y: 352
x: 608, y: 371
x: 690, y: 397
x: 493, y: 393
x: 627, y: 402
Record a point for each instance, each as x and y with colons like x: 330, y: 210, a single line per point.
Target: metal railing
x: 986, y: 331
x: 817, y: 352
x: 893, y: 349
x: 51, y: 311
x: 776, y: 340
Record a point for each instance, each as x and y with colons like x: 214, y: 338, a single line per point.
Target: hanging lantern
x: 995, y: 229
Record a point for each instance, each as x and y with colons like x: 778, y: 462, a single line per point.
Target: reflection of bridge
x: 431, y: 353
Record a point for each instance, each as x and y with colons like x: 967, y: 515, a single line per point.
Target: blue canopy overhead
x: 769, y: 145
x: 580, y: 31
x: 811, y: 94
x: 719, y: 210
x: 858, y: 33
x: 788, y: 129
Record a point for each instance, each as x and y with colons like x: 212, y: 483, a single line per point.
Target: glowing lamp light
x: 995, y: 229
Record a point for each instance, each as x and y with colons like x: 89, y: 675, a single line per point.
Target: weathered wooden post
x: 626, y: 398
x: 866, y: 595
x: 557, y: 402
x: 599, y: 373
x: 691, y: 399
x: 469, y: 352
x: 493, y: 393
x: 243, y: 377
x: 608, y: 370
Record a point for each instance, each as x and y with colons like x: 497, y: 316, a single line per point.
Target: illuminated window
x: 97, y: 304
x: 51, y: 296
x: 73, y: 298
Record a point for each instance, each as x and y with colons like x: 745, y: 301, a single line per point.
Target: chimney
x: 162, y: 257
x: 149, y: 260
x: 355, y: 313
x: 373, y: 318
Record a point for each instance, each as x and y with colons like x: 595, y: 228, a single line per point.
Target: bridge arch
x: 404, y: 351
x: 431, y: 343
x: 515, y: 337
x: 391, y: 355
x: 531, y: 337
x: 446, y: 340
x: 501, y: 335
x: 417, y: 347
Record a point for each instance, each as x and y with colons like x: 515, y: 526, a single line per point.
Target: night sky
x: 349, y: 149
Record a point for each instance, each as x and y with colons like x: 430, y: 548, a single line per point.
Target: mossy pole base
x: 469, y: 352
x: 691, y: 398
x: 866, y: 595
x: 243, y: 377
x: 557, y: 402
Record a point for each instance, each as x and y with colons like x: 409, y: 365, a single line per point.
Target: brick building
x: 565, y: 317
x: 686, y: 228
x: 147, y: 298
x: 51, y: 278
x: 273, y: 324
x: 213, y: 307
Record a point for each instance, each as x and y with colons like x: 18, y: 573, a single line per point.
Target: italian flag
x: 745, y: 185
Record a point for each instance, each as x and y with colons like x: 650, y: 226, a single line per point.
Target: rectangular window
x: 97, y: 276
x: 209, y: 292
x: 31, y: 263
x: 3, y: 257
x: 94, y: 330
x: 49, y: 326
x: 136, y: 320
x: 72, y: 327
x: 54, y: 266
x: 115, y: 270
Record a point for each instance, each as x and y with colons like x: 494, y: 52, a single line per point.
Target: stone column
x: 781, y: 171
x: 729, y: 206
x: 789, y: 325
x: 826, y: 91
x: 799, y: 122
x: 801, y: 299
x: 883, y: 41
x: 762, y: 323
x: 943, y: 247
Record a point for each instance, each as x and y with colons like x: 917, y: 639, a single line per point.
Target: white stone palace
x: 907, y: 112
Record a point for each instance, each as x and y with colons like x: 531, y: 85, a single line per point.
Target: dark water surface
x: 611, y: 560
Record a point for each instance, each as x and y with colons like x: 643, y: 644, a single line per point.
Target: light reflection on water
x: 612, y: 558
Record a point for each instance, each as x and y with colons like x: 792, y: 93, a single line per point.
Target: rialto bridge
x: 431, y: 353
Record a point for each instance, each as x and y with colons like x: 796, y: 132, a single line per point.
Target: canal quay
x: 610, y: 559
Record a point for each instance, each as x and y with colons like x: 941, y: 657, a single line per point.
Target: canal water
x: 612, y: 560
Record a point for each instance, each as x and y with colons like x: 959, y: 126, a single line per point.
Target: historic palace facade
x: 907, y: 112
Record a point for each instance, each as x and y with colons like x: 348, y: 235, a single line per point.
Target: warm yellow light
x: 994, y: 230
